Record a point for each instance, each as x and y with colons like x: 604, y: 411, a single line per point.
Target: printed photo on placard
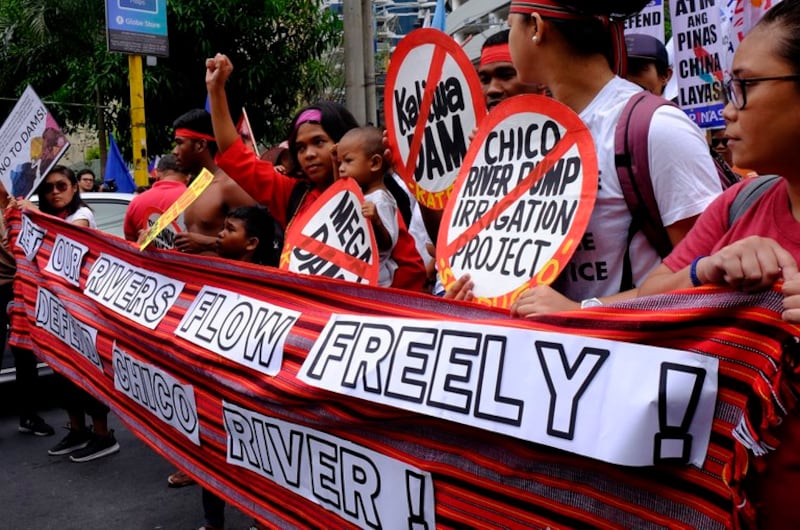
x: 522, y: 200
x: 433, y: 101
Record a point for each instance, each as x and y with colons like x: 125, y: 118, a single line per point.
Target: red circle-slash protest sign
x: 333, y: 239
x: 522, y: 200
x: 433, y: 100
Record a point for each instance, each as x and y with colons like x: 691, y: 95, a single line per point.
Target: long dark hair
x: 74, y: 204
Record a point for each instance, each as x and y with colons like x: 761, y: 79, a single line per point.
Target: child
x: 247, y: 235
x: 360, y: 155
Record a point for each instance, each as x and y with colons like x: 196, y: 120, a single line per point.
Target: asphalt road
x: 127, y: 490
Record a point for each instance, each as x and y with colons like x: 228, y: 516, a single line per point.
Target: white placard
x: 245, y: 330
x: 622, y: 403
x: 135, y: 293
x: 158, y: 392
x: 362, y: 486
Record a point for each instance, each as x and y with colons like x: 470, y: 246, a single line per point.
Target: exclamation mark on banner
x: 678, y: 396
x: 415, y: 495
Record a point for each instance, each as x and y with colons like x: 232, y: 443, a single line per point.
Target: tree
x: 278, y: 48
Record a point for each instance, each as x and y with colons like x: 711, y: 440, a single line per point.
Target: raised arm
x: 218, y: 70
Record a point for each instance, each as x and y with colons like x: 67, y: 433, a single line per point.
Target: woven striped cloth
x: 481, y: 479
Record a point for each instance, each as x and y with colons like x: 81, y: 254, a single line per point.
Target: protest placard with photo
x: 31, y: 143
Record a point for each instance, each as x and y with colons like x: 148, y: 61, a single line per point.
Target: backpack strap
x: 631, y: 158
x: 749, y: 194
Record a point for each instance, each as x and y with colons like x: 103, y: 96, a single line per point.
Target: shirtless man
x: 195, y: 149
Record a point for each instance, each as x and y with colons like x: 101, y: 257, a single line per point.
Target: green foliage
x: 278, y: 48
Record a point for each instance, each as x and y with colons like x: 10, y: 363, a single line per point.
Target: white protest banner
x: 522, y: 200
x: 613, y: 401
x: 367, y: 488
x: 30, y: 144
x: 433, y: 101
x: 30, y: 237
x: 245, y: 330
x: 158, y: 392
x: 648, y: 21
x: 333, y: 239
x: 53, y: 317
x: 66, y: 259
x: 135, y: 293
x: 699, y: 48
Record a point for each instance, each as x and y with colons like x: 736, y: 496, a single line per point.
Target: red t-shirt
x: 776, y: 489
x: 153, y: 201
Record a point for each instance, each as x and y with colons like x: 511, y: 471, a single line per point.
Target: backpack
x: 633, y: 169
x: 749, y: 194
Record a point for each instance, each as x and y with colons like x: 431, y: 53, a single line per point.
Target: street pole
x: 354, y: 59
x: 138, y: 131
x: 370, y: 98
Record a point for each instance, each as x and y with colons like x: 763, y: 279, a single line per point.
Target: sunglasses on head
x: 60, y: 186
x: 716, y: 142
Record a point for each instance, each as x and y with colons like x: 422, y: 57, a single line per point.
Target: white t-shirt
x: 387, y: 211
x: 82, y: 213
x: 684, y: 180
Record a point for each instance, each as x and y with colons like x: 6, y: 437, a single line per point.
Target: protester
x: 360, y: 156
x: 194, y: 150
x: 762, y: 245
x: 154, y: 201
x: 312, y: 138
x: 574, y: 51
x: 86, y: 180
x: 648, y: 63
x: 59, y: 196
x: 497, y: 74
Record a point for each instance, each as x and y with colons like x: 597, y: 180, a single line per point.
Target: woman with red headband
x: 577, y: 49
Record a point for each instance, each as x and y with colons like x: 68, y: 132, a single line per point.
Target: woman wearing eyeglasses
x: 763, y: 245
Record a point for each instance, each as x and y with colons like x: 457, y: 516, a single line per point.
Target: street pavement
x: 127, y: 490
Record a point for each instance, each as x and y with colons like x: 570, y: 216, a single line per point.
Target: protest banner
x: 151, y: 334
x: 522, y: 200
x: 31, y: 143
x: 648, y: 21
x: 699, y: 50
x: 333, y: 239
x: 165, y: 228
x: 433, y: 101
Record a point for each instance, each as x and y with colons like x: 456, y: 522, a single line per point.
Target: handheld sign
x: 333, y: 239
x: 522, y: 200
x: 199, y: 184
x: 30, y: 145
x: 433, y: 101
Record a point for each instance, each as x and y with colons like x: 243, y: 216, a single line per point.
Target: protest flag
x: 116, y: 169
x: 246, y: 131
x: 439, y: 16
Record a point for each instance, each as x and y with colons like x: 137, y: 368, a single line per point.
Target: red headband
x: 496, y: 53
x: 555, y: 9
x: 194, y: 135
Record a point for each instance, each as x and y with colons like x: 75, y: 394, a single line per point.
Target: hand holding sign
x: 433, y: 100
x: 522, y: 200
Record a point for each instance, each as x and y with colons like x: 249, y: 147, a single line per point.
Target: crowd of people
x: 570, y: 51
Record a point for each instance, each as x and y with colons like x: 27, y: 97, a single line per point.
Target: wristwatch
x: 591, y: 302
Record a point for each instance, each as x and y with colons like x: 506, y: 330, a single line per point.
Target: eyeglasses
x: 60, y: 186
x: 736, y: 88
x: 716, y: 142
